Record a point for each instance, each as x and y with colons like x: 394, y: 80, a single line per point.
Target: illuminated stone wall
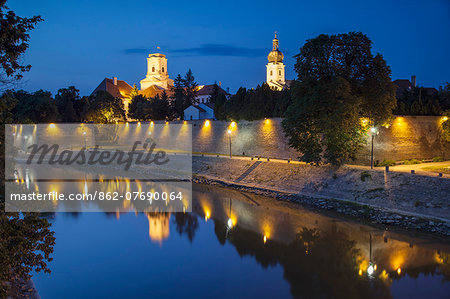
x: 252, y: 138
x: 408, y: 137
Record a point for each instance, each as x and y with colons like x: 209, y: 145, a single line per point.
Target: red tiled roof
x: 122, y: 90
x: 207, y: 90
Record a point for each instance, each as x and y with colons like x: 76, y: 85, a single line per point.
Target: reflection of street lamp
x: 374, y: 132
x: 230, y: 221
x: 372, y: 267
x: 85, y: 143
x: 229, y: 137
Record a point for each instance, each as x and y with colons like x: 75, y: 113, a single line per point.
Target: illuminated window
x: 153, y: 69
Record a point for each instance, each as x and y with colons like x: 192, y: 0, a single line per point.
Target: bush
x: 412, y: 161
x: 438, y: 159
x: 387, y: 163
x: 365, y: 175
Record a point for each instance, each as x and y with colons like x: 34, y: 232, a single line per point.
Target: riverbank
x: 411, y: 202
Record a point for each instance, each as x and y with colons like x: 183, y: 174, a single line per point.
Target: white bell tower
x: 275, y: 67
x: 156, y: 72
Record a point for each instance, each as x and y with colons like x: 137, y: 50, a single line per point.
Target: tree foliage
x: 423, y: 101
x: 104, y: 108
x: 14, y: 37
x: 340, y: 82
x: 156, y: 108
x: 252, y: 104
x: 184, y: 91
x: 26, y: 243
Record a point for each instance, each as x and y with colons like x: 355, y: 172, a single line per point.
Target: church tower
x: 156, y: 72
x: 275, y: 67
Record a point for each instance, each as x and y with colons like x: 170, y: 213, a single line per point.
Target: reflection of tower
x: 158, y: 226
x: 275, y: 67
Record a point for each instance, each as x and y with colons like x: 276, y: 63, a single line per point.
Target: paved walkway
x: 399, y: 168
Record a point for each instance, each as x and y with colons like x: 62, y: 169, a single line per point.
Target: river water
x: 238, y: 245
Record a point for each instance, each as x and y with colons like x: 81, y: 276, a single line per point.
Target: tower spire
x: 275, y: 43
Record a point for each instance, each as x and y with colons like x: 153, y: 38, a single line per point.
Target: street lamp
x: 229, y: 138
x: 374, y: 132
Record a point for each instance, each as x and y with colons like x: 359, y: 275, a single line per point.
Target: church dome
x: 275, y: 55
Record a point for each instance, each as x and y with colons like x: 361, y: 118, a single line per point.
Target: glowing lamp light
x: 265, y: 239
x: 185, y: 122
x: 207, y: 123
x: 230, y: 223
x: 207, y: 215
x: 52, y: 126
x: 373, y: 130
x: 399, y: 271
x: 229, y: 132
x: 139, y: 124
x: 370, y: 269
x: 126, y: 124
x: 233, y: 124
x: 167, y: 122
x: 152, y: 123
x: 445, y: 118
x: 267, y: 121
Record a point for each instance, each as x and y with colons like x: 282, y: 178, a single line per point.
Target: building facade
x: 275, y: 67
x: 156, y: 72
x: 200, y: 111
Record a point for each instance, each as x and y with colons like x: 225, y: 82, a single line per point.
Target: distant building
x: 275, y: 67
x: 406, y: 85
x: 156, y: 81
x: 156, y: 72
x: 204, y: 92
x: 117, y: 88
x: 200, y: 111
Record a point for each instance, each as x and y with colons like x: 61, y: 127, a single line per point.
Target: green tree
x: 136, y: 108
x: 104, y: 108
x: 35, y: 107
x: 190, y: 89
x: 134, y: 92
x: 65, y: 101
x: 214, y: 94
x: 258, y: 103
x: 323, y: 121
x: 349, y: 56
x: 340, y: 82
x: 219, y: 105
x: 14, y: 37
x: 178, y: 97
x: 26, y: 243
x: 26, y: 240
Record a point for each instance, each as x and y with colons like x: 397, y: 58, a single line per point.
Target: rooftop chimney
x: 115, y: 80
x: 413, y: 81
x: 220, y: 83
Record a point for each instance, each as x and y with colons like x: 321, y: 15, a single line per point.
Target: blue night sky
x: 81, y: 42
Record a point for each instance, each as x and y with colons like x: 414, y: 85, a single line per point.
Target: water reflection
x: 319, y: 256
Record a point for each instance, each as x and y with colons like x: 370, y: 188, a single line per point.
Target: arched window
x: 271, y: 73
x: 162, y: 69
x: 279, y: 72
x: 153, y: 69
